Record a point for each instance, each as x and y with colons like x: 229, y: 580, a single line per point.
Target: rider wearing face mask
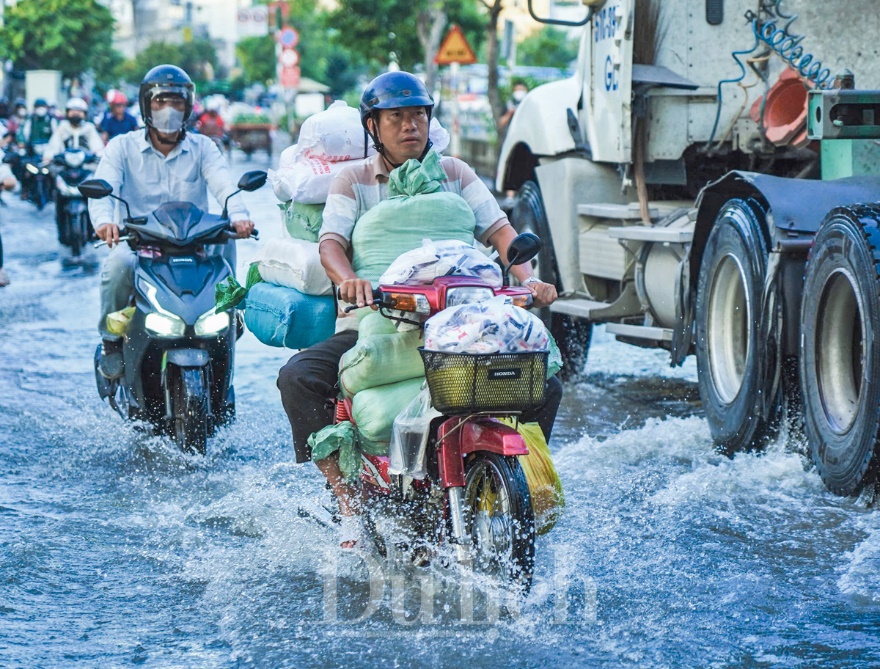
x: 38, y: 129
x: 162, y: 163
x: 395, y: 111
x: 74, y: 132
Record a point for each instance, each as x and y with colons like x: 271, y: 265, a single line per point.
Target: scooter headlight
x: 165, y: 325
x: 467, y: 295
x: 212, y: 323
x: 33, y: 169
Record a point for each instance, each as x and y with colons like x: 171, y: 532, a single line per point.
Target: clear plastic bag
x: 408, y: 452
x: 491, y: 326
x: 446, y: 257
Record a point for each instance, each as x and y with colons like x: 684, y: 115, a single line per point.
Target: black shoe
x: 112, y: 366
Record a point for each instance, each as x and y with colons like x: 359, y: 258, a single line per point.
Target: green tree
x: 257, y: 58
x: 197, y: 57
x: 547, y: 47
x: 72, y: 36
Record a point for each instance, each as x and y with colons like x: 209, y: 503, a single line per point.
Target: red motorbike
x: 471, y: 492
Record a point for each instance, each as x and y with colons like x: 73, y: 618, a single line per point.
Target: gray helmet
x: 168, y: 79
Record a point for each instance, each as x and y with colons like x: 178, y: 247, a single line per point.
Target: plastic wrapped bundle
x: 374, y: 409
x: 448, y: 257
x: 295, y: 263
x: 285, y: 317
x: 491, y: 326
x: 378, y: 360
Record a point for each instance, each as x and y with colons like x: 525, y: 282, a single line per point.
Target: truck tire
x: 572, y: 334
x: 730, y: 347
x: 840, y: 349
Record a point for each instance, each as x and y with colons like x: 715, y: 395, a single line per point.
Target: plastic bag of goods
x: 306, y: 181
x: 491, y: 326
x: 374, y: 409
x: 408, y: 452
x: 301, y: 221
x: 285, y: 317
x: 295, y: 263
x: 333, y: 135
x: 418, y: 208
x: 380, y: 359
x: 447, y: 257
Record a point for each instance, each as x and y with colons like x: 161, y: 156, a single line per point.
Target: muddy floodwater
x: 117, y: 550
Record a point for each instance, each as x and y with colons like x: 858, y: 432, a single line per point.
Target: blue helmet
x: 393, y: 90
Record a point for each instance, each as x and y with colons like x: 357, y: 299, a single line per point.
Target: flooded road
x: 117, y: 550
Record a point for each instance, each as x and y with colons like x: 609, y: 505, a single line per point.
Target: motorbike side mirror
x: 522, y: 249
x: 94, y: 189
x: 250, y: 181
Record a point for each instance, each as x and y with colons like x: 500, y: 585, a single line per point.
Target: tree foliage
x: 257, y: 58
x: 72, y: 36
x: 547, y: 47
x: 197, y: 57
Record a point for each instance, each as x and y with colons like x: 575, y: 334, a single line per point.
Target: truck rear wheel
x: 840, y: 349
x: 730, y: 348
x: 572, y: 334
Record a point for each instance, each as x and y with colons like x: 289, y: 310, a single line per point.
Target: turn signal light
x: 415, y: 302
x: 524, y: 301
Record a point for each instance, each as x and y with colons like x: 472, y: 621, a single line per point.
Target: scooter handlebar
x: 377, y: 299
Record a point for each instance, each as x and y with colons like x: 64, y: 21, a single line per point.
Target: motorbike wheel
x: 78, y: 235
x: 499, y: 518
x: 41, y: 195
x: 189, y: 398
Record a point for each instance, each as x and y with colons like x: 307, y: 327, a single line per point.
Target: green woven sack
x: 375, y: 409
x: 417, y: 209
x: 374, y: 323
x: 303, y: 221
x: 379, y: 360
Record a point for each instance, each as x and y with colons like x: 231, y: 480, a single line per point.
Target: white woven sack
x: 295, y: 263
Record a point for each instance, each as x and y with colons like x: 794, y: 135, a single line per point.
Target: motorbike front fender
x: 484, y: 434
x: 187, y: 357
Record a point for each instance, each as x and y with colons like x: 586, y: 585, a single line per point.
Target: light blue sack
x: 285, y: 317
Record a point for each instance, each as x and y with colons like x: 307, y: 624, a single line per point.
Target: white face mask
x: 519, y: 95
x: 167, y: 119
x: 40, y: 111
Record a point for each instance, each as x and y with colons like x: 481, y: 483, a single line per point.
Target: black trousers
x: 308, y: 385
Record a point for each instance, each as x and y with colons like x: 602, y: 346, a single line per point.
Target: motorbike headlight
x: 212, y: 323
x: 74, y: 158
x: 165, y: 325
x: 467, y: 295
x: 33, y: 169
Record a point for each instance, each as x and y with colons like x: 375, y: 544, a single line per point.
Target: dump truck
x: 707, y: 183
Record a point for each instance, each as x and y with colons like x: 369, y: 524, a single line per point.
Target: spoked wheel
x: 499, y: 518
x: 189, y: 398
x: 572, y: 334
x: 840, y: 349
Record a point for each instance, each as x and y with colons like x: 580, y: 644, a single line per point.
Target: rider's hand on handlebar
x: 357, y: 291
x: 543, y: 294
x: 109, y: 233
x: 243, y: 229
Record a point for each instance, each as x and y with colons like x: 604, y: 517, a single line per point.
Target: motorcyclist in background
x: 74, y: 132
x: 37, y: 129
x: 117, y: 121
x: 161, y: 164
x: 7, y: 182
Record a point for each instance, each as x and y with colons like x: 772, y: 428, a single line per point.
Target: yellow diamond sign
x: 455, y: 49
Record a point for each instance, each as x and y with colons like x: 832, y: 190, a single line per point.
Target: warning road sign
x: 455, y: 49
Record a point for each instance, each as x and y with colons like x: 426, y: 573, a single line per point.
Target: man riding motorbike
x: 37, y: 130
x: 163, y: 164
x: 74, y: 132
x: 395, y: 111
x: 7, y: 182
x: 117, y: 121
